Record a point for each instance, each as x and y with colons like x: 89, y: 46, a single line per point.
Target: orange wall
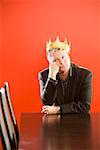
x: 0, y: 39
x: 27, y: 24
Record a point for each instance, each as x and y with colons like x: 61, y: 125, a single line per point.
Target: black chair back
x: 3, y: 132
x: 11, y: 110
x: 8, y: 120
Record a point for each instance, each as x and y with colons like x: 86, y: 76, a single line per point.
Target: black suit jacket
x: 78, y: 92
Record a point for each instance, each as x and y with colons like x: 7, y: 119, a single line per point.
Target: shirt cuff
x: 66, y: 108
x: 53, y: 81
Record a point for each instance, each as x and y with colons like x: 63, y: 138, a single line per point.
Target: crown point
x: 57, y: 39
x: 66, y: 41
x: 49, y: 39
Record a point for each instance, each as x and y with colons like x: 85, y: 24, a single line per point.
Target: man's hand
x: 53, y: 70
x: 50, y: 109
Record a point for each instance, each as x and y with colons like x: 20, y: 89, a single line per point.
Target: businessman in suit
x: 64, y: 86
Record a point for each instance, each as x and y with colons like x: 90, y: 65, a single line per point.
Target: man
x: 64, y: 87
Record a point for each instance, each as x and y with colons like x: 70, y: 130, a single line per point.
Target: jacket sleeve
x: 82, y: 105
x: 47, y: 90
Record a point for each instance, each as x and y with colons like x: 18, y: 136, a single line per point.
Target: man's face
x: 61, y: 58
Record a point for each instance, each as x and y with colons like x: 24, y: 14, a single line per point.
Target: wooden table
x: 56, y: 132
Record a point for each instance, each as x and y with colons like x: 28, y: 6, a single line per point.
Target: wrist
x: 52, y: 76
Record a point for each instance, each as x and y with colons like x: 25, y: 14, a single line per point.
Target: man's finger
x: 45, y: 106
x: 44, y: 111
x: 53, y: 104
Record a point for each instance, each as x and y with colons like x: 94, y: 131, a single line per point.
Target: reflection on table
x: 56, y: 132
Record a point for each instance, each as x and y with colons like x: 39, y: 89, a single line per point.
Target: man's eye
x: 55, y: 60
x: 62, y: 56
x: 58, y: 49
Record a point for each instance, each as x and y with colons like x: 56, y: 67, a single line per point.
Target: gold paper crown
x: 58, y: 44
